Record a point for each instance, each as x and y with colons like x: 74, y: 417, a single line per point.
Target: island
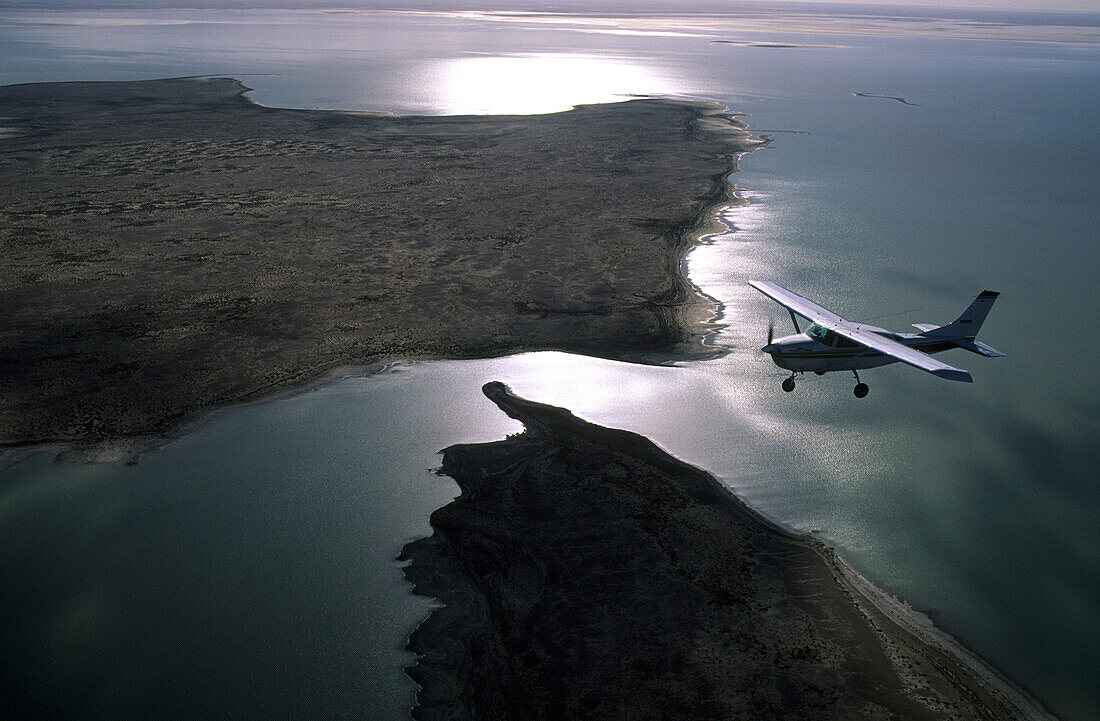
x: 172, y: 247
x: 586, y: 573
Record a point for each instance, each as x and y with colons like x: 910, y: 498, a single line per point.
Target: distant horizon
x: 1086, y: 7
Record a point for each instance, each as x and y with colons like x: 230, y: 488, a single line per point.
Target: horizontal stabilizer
x: 925, y: 327
x: 977, y: 347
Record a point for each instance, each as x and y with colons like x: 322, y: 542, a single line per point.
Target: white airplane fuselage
x: 831, y: 343
x: 800, y: 352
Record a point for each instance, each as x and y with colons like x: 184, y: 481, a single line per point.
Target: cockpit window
x: 819, y: 332
x: 824, y: 335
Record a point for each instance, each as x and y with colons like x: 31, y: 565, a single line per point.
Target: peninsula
x: 171, y: 247
x: 587, y: 574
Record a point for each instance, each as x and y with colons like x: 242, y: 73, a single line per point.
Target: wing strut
x: 794, y: 319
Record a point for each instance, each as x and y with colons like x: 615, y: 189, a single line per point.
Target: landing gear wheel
x: 861, y: 390
x: 788, y: 385
x: 820, y: 373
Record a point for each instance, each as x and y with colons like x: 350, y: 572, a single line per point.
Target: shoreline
x: 678, y: 313
x: 864, y: 592
x: 922, y: 626
x: 921, y: 669
x: 688, y: 313
x: 569, y: 274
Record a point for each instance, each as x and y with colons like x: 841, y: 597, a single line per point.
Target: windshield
x: 818, y: 332
x: 825, y: 335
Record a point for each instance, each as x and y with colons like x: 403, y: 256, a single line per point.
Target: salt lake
x: 249, y: 566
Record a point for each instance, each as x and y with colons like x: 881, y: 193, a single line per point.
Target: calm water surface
x: 249, y: 566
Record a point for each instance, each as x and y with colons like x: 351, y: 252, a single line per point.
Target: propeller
x: 771, y: 330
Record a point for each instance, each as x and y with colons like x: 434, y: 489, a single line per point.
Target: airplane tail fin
x: 967, y: 324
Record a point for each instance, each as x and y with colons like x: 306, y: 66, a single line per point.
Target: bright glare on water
x: 978, y: 504
x: 539, y: 83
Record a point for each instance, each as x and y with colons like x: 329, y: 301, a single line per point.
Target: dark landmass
x: 899, y: 99
x: 586, y: 574
x: 170, y: 246
x: 778, y: 46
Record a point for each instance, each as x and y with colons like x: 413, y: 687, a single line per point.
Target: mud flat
x: 171, y: 247
x: 585, y: 573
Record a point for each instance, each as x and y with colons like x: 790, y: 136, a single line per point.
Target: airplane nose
x: 769, y: 348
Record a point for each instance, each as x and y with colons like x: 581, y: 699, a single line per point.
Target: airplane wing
x: 861, y: 334
x: 902, y: 352
x: 796, y: 303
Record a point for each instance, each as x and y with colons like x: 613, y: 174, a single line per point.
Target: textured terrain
x: 588, y: 574
x: 170, y: 246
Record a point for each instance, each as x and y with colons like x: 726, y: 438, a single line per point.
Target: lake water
x: 249, y: 565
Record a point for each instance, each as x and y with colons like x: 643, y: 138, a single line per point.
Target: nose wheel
x: 861, y: 388
x: 788, y: 383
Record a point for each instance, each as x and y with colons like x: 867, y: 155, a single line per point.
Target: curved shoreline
x: 898, y: 611
x: 516, y: 266
x: 500, y: 560
x: 685, y: 314
x: 678, y: 314
x: 920, y: 625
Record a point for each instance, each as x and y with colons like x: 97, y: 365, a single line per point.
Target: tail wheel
x: 861, y: 390
x: 788, y: 385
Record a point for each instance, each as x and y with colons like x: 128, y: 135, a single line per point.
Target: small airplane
x: 832, y: 343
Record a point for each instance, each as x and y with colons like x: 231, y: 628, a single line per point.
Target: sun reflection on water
x: 529, y: 84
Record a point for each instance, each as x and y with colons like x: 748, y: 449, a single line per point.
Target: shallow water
x: 263, y: 538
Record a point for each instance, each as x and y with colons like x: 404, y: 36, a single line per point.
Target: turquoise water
x: 245, y: 571
x: 249, y: 565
